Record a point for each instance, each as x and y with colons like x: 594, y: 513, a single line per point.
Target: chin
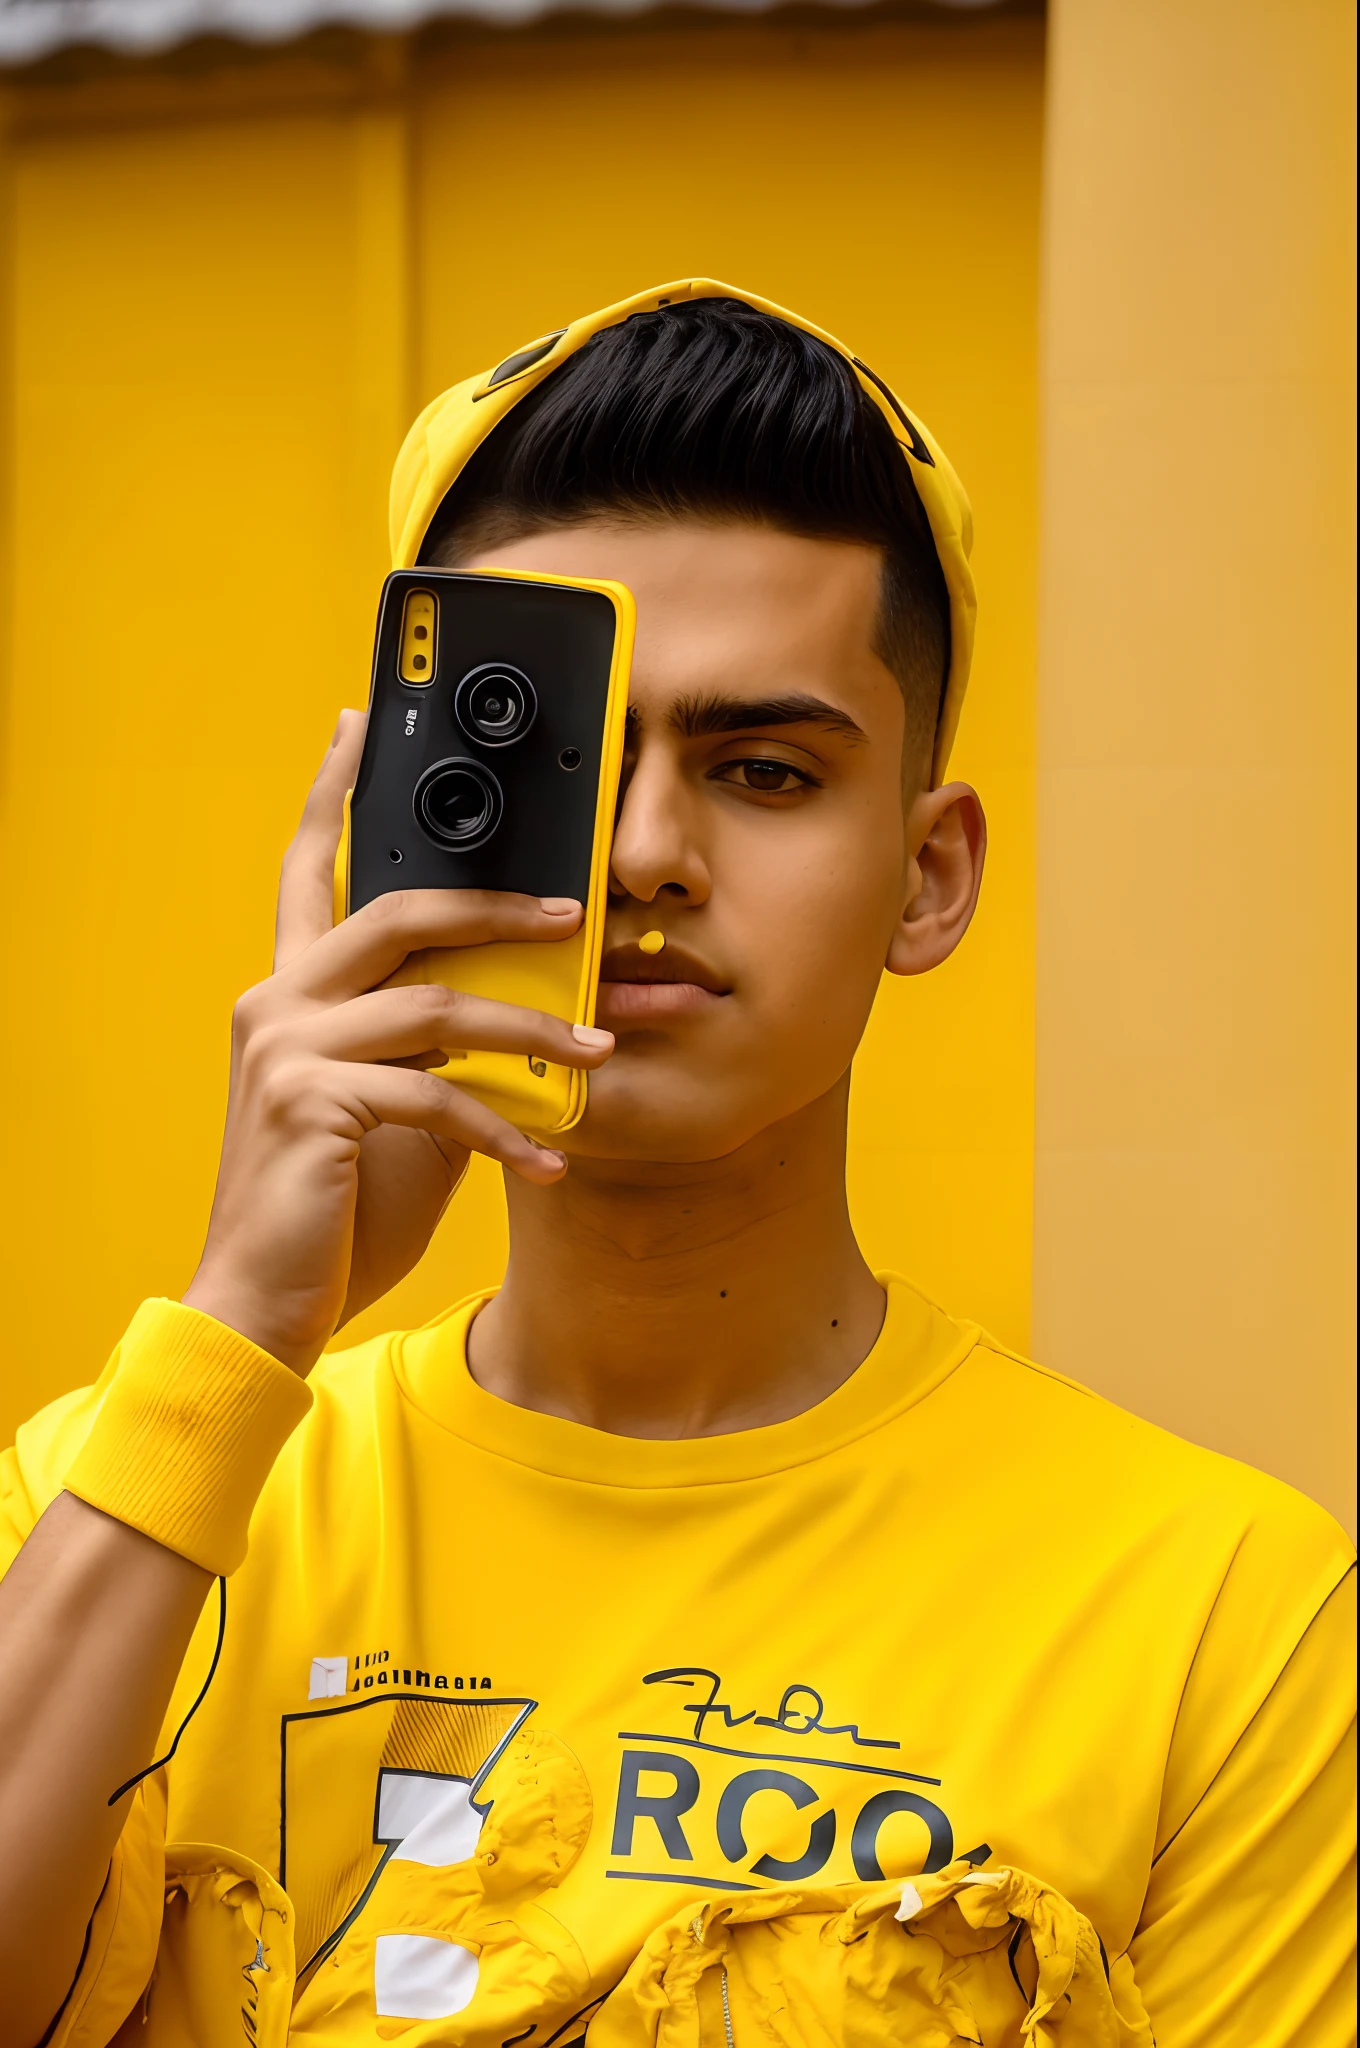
x: 650, y: 1112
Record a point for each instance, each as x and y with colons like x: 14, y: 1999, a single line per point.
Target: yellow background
x: 1194, y: 1159
x: 230, y: 278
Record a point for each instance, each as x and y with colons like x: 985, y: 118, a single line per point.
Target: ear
x: 946, y: 847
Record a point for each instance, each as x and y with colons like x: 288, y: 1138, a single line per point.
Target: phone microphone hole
x: 569, y: 758
x: 394, y: 854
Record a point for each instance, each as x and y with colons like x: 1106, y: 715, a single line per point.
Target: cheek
x: 801, y: 918
x: 816, y: 910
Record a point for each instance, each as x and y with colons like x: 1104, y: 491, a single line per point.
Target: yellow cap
x: 454, y: 426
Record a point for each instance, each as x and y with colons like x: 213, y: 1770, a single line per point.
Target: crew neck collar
x: 917, y: 1347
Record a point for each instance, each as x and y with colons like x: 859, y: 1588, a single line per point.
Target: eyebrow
x: 702, y: 717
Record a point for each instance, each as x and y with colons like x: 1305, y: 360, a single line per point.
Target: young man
x: 691, y: 1640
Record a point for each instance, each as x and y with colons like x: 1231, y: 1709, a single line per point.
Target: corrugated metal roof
x: 33, y: 28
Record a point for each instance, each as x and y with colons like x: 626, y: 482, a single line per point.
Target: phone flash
x: 419, y: 621
x: 651, y: 942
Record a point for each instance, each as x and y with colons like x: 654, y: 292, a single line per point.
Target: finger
x: 372, y: 944
x: 424, y: 1102
x: 307, y: 883
x: 396, y: 1023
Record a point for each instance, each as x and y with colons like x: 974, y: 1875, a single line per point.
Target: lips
x: 637, y: 987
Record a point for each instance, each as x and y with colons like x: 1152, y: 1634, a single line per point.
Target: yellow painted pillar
x: 1193, y: 1156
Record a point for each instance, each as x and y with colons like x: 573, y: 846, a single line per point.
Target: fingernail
x: 586, y: 1034
x: 559, y: 1159
x: 558, y: 906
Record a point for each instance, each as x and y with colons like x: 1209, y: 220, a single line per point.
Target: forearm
x: 94, y: 1622
x: 96, y: 1611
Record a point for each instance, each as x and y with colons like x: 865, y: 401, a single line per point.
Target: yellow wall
x: 228, y: 284
x: 1194, y: 1159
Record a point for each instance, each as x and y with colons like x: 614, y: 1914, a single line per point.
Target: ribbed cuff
x: 194, y: 1417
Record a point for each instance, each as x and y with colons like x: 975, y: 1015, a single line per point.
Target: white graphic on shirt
x: 328, y: 1677
x: 419, y: 1977
x: 340, y: 1826
x: 426, y: 1818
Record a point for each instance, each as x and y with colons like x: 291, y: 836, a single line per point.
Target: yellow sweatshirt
x: 963, y: 1707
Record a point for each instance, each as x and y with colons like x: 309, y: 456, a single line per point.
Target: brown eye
x: 767, y: 778
x: 767, y: 775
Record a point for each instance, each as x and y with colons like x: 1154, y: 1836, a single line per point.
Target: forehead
x: 728, y: 609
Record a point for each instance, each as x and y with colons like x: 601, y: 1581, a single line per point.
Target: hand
x: 341, y: 1149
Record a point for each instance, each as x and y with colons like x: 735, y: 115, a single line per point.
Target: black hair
x: 710, y: 409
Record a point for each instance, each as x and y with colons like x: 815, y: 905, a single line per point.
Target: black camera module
x: 458, y: 804
x: 495, y: 704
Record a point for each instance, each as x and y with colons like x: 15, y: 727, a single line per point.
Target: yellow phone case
x: 561, y: 976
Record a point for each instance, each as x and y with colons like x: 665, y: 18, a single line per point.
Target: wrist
x: 188, y: 1426
x: 293, y: 1338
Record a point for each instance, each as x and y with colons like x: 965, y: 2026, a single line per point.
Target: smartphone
x: 491, y: 761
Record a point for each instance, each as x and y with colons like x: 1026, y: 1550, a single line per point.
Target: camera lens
x: 458, y: 804
x: 495, y: 704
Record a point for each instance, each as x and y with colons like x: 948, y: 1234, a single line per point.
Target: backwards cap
x: 450, y: 430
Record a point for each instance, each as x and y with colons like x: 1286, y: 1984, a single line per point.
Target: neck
x: 677, y: 1301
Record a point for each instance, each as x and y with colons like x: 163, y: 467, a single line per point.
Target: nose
x: 657, y: 851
